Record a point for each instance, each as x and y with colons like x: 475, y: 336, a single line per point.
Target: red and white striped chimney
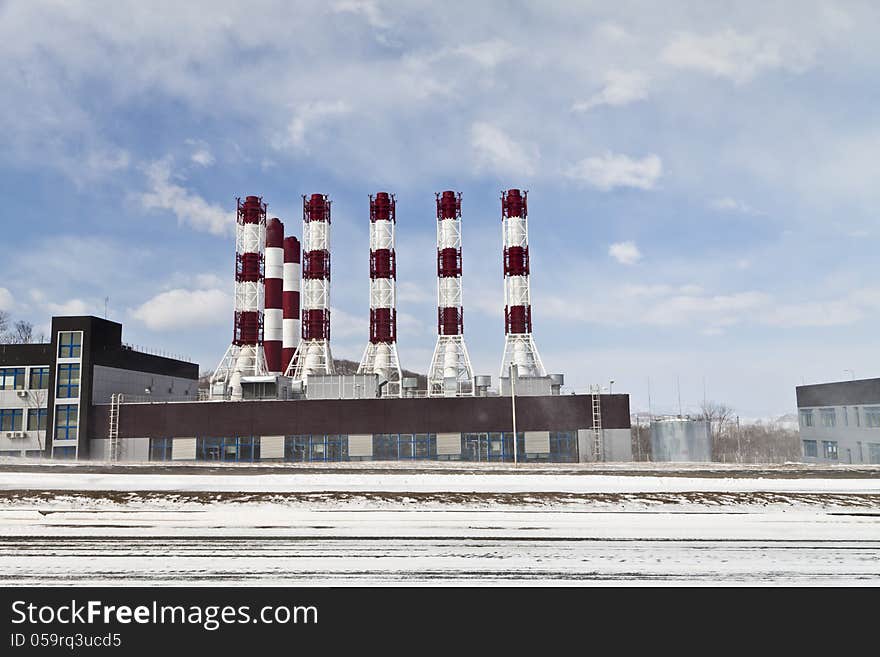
x: 313, y: 354
x: 380, y: 356
x: 519, y: 344
x: 245, y: 356
x: 272, y: 314
x: 290, y: 301
x: 450, y: 371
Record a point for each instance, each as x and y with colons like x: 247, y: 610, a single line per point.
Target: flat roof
x: 839, y: 393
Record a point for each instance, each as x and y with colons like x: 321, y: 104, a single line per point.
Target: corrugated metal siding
x: 537, y: 442
x: 449, y: 443
x: 183, y: 449
x: 271, y: 447
x: 360, y: 445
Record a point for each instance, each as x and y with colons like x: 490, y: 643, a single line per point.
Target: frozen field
x: 361, y: 524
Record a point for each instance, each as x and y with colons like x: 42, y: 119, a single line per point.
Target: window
x: 10, y: 419
x: 829, y: 448
x: 69, y: 344
x: 845, y: 417
x: 563, y: 446
x: 66, y: 421
x: 873, y: 452
x: 68, y: 381
x: 807, y: 417
x: 37, y: 419
x: 64, y: 453
x: 828, y: 416
x: 811, y: 449
x: 872, y: 416
x: 160, y: 449
x: 317, y: 447
x: 12, y: 378
x: 39, y: 378
x: 857, y: 416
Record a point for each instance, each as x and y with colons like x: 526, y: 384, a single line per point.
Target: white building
x: 840, y: 422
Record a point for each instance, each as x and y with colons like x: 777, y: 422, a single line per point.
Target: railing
x: 156, y: 352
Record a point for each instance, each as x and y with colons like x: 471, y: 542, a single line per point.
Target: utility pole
x: 513, y: 374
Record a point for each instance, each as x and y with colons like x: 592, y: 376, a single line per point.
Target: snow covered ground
x: 439, y: 525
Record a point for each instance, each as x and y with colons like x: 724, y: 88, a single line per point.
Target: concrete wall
x: 110, y: 380
x: 853, y: 438
x: 616, y: 445
x: 130, y: 449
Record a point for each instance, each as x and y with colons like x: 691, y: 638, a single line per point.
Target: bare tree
x: 22, y: 332
x: 37, y: 401
x: 4, y: 326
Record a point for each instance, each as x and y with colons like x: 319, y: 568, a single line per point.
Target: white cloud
x: 346, y: 325
x: 735, y: 56
x: 626, y: 253
x: 180, y: 308
x: 188, y: 207
x: 496, y: 152
x: 71, y: 307
x: 487, y: 54
x: 366, y: 8
x: 611, y: 170
x: 306, y: 118
x: 6, y: 299
x: 621, y: 88
x: 203, y: 157
x: 727, y: 204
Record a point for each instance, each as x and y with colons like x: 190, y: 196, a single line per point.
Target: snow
x: 403, y: 526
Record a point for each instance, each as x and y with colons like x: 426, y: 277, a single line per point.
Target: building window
x: 39, y: 378
x: 236, y: 449
x: 10, y: 419
x: 873, y: 452
x: 64, y: 453
x: 563, y: 446
x: 37, y: 419
x: 12, y: 378
x: 811, y: 449
x: 845, y: 417
x: 858, y: 417
x: 872, y: 416
x: 66, y: 421
x: 69, y: 344
x: 829, y: 448
x: 160, y: 449
x: 317, y: 447
x: 68, y: 381
x: 807, y: 417
x: 829, y: 417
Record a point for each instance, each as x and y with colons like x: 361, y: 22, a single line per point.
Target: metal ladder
x: 115, y: 401
x: 596, y: 398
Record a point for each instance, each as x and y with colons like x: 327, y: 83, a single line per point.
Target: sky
x: 702, y: 176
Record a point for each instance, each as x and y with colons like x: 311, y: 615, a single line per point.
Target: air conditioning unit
x: 16, y: 434
x: 22, y: 393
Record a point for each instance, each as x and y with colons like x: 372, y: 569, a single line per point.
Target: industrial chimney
x: 313, y: 353
x: 380, y: 357
x: 245, y: 355
x: 450, y: 372
x: 273, y: 314
x: 519, y: 345
x: 290, y: 301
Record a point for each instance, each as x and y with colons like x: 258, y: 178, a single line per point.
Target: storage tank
x: 681, y: 439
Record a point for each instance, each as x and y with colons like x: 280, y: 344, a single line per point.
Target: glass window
x: 811, y: 449
x: 10, y: 419
x: 829, y: 417
x: 872, y: 416
x: 68, y: 381
x: 69, y: 344
x: 807, y: 417
x: 829, y: 448
x: 873, y: 452
x: 64, y: 452
x: 37, y: 419
x: 12, y: 378
x: 39, y: 378
x: 160, y: 449
x: 66, y: 421
x: 563, y: 446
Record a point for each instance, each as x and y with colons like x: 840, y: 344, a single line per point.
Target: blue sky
x: 702, y: 177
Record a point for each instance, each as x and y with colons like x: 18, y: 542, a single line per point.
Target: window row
x: 13, y: 419
x: 842, y: 416
x: 15, y: 378
x: 561, y: 447
x: 829, y: 449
